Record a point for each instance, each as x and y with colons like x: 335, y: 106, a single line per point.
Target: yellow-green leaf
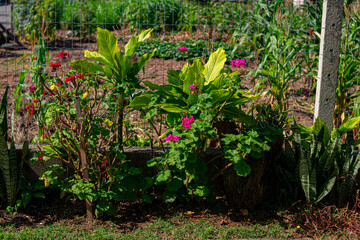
x: 214, y: 66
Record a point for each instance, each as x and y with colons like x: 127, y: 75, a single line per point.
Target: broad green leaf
x: 162, y: 176
x: 107, y: 44
x: 140, y: 64
x: 99, y: 58
x: 122, y: 64
x: 242, y: 168
x: 174, y: 184
x: 174, y: 108
x: 214, y: 66
x: 135, y: 42
x: 202, y: 191
x: 151, y: 85
x: 349, y: 125
x: 220, y: 96
x: 174, y: 78
x: 86, y: 67
x: 193, y: 76
x: 140, y: 101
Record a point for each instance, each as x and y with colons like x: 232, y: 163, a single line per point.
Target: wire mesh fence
x: 279, y: 41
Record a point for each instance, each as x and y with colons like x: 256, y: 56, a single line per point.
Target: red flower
x: 80, y: 76
x: 40, y: 158
x: 58, y: 84
x: 50, y: 94
x: 55, y: 66
x: 104, y: 162
x: 35, y: 58
x: 63, y: 55
x: 46, y: 135
x: 45, y: 93
x: 36, y: 100
x: 69, y: 79
x: 31, y: 105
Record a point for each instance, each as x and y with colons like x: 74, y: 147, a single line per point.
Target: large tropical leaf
x: 135, y: 42
x: 214, y: 66
x: 107, y: 44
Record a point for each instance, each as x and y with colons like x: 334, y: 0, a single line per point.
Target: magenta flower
x: 32, y: 88
x: 186, y: 122
x: 182, y: 49
x: 238, y: 63
x: 194, y: 89
x: 172, y: 138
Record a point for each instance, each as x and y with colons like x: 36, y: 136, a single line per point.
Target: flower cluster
x: 80, y: 76
x: 55, y: 66
x: 186, y: 122
x: 32, y: 88
x: 182, y: 49
x: 63, y: 55
x: 238, y: 63
x: 194, y: 89
x: 105, y: 162
x: 172, y: 138
x: 31, y: 107
x: 69, y: 79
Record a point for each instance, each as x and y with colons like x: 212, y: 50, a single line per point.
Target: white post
x: 332, y: 17
x: 298, y: 3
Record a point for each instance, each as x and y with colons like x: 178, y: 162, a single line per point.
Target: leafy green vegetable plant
x: 79, y: 111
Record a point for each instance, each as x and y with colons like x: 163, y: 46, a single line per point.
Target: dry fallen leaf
x: 244, y: 212
x: 189, y: 213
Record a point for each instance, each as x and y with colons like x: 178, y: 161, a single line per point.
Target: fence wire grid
x: 273, y: 36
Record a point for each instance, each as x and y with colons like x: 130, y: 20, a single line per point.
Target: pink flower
x: 55, y: 66
x: 63, y: 55
x: 194, y: 89
x: 182, y: 49
x: 31, y: 88
x: 238, y: 63
x: 172, y: 138
x: 186, y: 122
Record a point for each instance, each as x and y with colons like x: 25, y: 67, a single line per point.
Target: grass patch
x: 176, y: 227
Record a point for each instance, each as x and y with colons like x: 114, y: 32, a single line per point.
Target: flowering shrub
x: 81, y: 125
x: 196, y: 100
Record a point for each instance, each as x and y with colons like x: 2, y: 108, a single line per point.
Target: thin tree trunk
x: 83, y: 161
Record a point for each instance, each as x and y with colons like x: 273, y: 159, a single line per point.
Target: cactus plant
x: 10, y: 165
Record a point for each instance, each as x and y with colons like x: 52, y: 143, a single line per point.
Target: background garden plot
x: 279, y: 42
